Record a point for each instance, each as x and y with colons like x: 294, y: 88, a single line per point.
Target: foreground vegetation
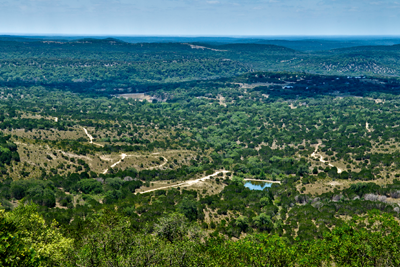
x: 109, y: 239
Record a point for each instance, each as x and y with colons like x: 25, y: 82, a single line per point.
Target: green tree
x: 188, y: 207
x: 171, y: 227
x: 242, y: 222
x: 13, y: 250
x: 255, y: 250
x: 110, y: 240
x: 237, y: 180
x: 265, y: 201
x: 46, y: 240
x: 263, y: 222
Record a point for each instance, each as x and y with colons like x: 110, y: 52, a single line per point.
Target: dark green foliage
x: 90, y: 186
x: 188, y: 207
x: 40, y: 192
x: 8, y: 150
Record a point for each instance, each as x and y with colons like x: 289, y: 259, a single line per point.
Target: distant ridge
x: 256, y: 47
x: 305, y: 44
x: 100, y: 41
x: 9, y: 38
x: 394, y: 47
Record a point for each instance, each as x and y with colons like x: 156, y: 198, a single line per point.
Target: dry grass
x: 35, y: 156
x: 51, y: 135
x: 328, y: 185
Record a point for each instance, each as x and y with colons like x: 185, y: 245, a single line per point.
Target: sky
x: 200, y: 17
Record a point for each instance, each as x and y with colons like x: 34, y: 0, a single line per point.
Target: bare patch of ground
x: 203, y: 47
x: 335, y: 183
x: 141, y: 97
x: 367, y: 126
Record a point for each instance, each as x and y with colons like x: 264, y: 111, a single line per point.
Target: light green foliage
x: 13, y: 249
x: 370, y: 241
x: 4, y: 150
x: 258, y: 250
x: 109, y: 239
x: 46, y: 240
x: 354, y: 244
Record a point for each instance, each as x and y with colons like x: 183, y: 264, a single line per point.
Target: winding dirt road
x: 187, y: 183
x: 91, y: 138
x: 159, y: 166
x: 321, y: 158
x: 123, y: 156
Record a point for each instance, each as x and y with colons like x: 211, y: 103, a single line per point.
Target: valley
x: 237, y: 146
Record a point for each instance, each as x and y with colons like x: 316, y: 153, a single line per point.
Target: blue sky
x: 200, y: 17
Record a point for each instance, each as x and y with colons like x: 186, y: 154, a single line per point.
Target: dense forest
x: 141, y: 154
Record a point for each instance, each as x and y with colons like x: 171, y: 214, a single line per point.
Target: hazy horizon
x: 297, y: 37
x: 200, y: 18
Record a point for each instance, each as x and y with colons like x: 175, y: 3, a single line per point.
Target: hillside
x: 120, y: 154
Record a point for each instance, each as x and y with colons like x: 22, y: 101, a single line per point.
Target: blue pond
x: 255, y: 185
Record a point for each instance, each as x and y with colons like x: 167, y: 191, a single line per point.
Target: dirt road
x: 264, y: 181
x: 91, y: 138
x: 321, y: 158
x: 187, y: 183
x: 123, y: 156
x: 367, y: 127
x: 161, y: 165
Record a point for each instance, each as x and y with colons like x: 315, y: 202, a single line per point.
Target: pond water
x: 256, y: 185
